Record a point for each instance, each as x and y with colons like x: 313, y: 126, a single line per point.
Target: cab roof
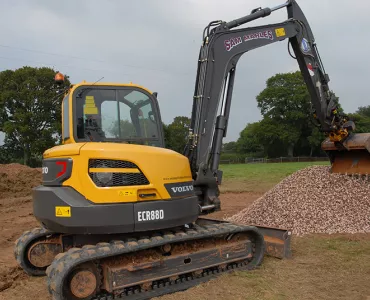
x: 86, y: 83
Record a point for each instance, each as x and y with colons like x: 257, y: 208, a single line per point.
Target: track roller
x: 83, y: 283
x: 36, y: 249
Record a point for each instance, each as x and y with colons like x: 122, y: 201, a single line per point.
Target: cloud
x: 156, y: 44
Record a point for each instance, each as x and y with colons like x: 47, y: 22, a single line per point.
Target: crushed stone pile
x: 17, y: 180
x: 313, y: 200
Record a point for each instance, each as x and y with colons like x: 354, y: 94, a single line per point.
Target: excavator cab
x: 111, y: 113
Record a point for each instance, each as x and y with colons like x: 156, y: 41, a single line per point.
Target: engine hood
x: 64, y: 150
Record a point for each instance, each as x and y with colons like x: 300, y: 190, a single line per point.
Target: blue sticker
x: 305, y: 46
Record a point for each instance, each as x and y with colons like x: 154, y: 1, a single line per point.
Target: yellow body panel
x: 63, y: 150
x: 159, y: 165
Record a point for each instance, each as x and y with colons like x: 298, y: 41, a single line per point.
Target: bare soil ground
x: 323, y: 267
x: 15, y: 217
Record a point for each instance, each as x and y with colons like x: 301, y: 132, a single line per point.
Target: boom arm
x: 219, y: 55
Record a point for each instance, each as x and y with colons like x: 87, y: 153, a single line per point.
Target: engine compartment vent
x: 122, y: 173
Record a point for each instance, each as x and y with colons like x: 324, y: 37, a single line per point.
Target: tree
x: 166, y: 135
x: 287, y: 126
x: 286, y: 102
x: 30, y: 105
x: 249, y: 140
x: 364, y: 111
x: 229, y: 147
x: 176, y: 133
x: 362, y: 122
x: 315, y: 139
x: 361, y: 118
x: 7, y: 154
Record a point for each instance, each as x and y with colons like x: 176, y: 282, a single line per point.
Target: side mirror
x: 155, y: 94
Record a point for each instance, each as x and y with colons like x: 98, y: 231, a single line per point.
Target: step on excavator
x: 124, y: 217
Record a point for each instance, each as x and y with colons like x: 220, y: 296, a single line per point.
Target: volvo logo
x: 305, y: 46
x: 180, y: 189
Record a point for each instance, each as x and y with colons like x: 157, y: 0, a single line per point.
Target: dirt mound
x: 17, y: 180
x: 313, y: 200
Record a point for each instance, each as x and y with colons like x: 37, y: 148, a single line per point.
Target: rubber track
x: 21, y: 245
x: 65, y: 262
x: 168, y: 287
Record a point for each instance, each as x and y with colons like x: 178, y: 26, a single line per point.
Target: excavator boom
x: 220, y: 52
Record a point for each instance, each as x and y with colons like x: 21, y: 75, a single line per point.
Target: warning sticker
x: 90, y: 108
x: 124, y: 193
x: 63, y: 211
x: 280, y: 32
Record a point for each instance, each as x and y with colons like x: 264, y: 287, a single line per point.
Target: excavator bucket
x: 353, y: 158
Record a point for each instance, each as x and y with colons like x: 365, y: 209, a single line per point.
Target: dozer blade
x: 278, y: 241
x: 352, y: 157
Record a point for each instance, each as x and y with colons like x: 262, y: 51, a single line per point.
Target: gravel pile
x: 313, y: 200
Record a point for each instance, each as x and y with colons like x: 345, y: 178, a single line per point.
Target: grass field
x: 258, y: 177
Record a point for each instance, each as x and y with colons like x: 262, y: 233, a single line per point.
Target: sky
x: 155, y: 43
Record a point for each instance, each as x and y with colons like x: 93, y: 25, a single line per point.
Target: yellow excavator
x: 121, y: 215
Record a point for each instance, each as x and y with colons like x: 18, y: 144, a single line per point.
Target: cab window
x: 126, y: 115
